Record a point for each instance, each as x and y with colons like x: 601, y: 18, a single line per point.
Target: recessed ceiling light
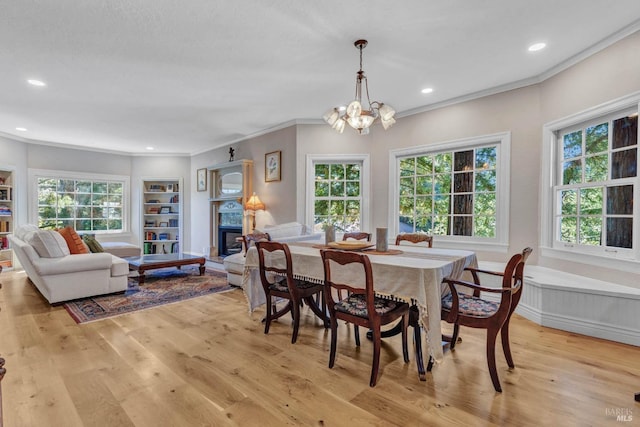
x: 427, y: 90
x: 537, y: 46
x: 21, y: 129
x: 35, y: 82
x: 150, y: 148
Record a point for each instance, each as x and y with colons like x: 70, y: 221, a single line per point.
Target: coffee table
x: 155, y: 261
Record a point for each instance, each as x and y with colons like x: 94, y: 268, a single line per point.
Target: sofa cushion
x: 49, y: 244
x: 73, y: 240
x: 119, y: 267
x: 121, y: 249
x: 73, y: 264
x: 92, y: 243
x: 234, y: 263
x: 289, y: 229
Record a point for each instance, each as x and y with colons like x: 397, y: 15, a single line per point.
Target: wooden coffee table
x: 155, y: 261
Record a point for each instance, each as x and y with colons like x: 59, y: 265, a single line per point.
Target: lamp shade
x: 386, y: 112
x: 254, y: 203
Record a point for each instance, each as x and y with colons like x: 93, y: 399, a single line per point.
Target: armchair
x: 475, y: 312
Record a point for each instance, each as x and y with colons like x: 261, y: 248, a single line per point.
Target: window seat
x: 574, y: 303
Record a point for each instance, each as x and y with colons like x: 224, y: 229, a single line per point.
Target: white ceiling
x: 189, y: 76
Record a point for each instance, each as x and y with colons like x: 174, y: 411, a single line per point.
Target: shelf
x: 7, y: 212
x: 156, y: 200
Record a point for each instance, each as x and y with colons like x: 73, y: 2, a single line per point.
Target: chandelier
x: 355, y: 114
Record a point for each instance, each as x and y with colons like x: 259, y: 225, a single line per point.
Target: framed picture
x: 272, y: 166
x: 169, y: 188
x: 164, y: 224
x: 201, y: 179
x: 165, y: 210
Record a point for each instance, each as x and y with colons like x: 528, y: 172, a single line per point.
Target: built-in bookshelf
x: 162, y: 215
x: 6, y: 217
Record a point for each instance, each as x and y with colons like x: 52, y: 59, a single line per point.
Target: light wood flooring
x: 206, y: 361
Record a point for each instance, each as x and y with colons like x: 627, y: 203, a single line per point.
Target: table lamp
x: 254, y: 204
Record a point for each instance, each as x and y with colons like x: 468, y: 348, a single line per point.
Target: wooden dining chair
x: 278, y: 281
x: 415, y: 238
x: 476, y: 312
x: 251, y: 238
x: 361, y: 306
x: 357, y: 235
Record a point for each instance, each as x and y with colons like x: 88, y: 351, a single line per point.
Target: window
x: 597, y: 173
x: 457, y: 189
x: 590, y: 185
x: 87, y: 203
x: 338, y: 189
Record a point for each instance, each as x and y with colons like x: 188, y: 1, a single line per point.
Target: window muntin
x: 338, y: 195
x: 95, y: 205
x: 449, y: 193
x: 595, y: 187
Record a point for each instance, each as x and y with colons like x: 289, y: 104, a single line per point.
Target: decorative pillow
x: 73, y: 240
x: 21, y: 232
x: 92, y: 243
x: 49, y: 244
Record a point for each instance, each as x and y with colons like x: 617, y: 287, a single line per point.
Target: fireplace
x: 227, y: 243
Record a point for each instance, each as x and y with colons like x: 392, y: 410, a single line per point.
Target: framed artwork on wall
x: 201, y: 179
x: 272, y: 166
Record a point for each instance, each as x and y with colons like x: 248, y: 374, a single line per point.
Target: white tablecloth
x: 414, y: 275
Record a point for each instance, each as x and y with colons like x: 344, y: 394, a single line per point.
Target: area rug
x: 160, y: 287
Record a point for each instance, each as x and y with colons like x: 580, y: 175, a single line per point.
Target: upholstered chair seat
x: 356, y: 305
x: 471, y: 306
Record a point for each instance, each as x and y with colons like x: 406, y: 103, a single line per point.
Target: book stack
x: 150, y: 235
x: 5, y: 210
x: 149, y: 248
x: 173, y: 222
x: 4, y: 242
x: 5, y: 226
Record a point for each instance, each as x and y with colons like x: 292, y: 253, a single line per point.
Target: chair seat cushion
x: 471, y: 306
x: 281, y: 285
x: 356, y: 305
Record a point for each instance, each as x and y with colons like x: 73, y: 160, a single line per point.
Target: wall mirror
x: 231, y: 184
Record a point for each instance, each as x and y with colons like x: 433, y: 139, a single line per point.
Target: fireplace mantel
x: 231, y: 187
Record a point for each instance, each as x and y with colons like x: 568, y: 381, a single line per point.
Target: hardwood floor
x: 207, y: 362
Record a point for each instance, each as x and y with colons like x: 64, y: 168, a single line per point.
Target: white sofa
x: 60, y: 276
x: 285, y: 233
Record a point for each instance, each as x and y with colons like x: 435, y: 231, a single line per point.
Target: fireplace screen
x: 229, y: 242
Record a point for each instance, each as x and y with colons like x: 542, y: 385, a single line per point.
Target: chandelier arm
x: 366, y: 86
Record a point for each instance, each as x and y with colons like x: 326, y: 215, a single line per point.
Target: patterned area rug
x: 160, y: 287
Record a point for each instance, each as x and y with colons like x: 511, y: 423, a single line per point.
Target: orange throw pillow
x: 73, y: 240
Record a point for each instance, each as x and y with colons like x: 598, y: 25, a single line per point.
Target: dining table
x: 408, y: 273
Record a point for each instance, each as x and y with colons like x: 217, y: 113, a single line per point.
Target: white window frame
x: 502, y: 140
x: 34, y: 174
x: 624, y: 260
x: 365, y: 176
